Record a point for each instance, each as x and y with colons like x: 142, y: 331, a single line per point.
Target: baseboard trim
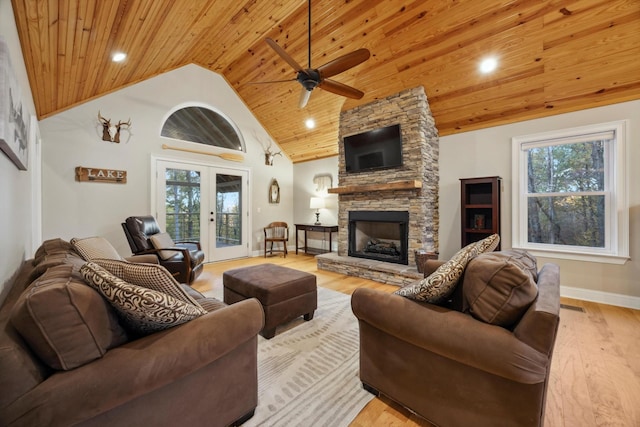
x: 601, y: 297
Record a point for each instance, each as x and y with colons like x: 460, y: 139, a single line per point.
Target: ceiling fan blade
x: 284, y: 55
x: 340, y: 89
x: 304, y: 98
x: 343, y: 63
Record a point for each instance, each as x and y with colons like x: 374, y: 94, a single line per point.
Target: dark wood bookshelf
x: 480, y: 208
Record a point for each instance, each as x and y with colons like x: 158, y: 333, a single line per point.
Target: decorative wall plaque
x: 101, y: 175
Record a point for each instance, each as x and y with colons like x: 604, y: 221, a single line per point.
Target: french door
x: 204, y: 203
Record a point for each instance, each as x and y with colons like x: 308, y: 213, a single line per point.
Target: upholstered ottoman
x: 284, y: 293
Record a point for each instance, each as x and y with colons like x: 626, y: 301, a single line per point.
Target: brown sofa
x: 199, y: 373
x: 452, y: 368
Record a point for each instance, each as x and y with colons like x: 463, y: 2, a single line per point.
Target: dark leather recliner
x: 186, y: 265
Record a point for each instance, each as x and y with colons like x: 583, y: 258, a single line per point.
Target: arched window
x: 203, y: 126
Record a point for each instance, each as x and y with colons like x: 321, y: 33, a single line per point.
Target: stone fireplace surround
x: 413, y: 187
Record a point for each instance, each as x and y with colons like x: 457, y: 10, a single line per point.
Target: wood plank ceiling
x: 555, y: 56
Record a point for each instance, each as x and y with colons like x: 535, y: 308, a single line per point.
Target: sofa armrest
x: 450, y: 334
x: 141, y: 366
x: 539, y: 325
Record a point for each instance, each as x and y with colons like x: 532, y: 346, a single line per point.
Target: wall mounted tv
x: 375, y: 149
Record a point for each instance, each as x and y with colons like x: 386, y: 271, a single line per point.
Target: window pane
x: 566, y: 168
x: 202, y: 125
x: 567, y: 220
x: 183, y: 204
x: 228, y: 209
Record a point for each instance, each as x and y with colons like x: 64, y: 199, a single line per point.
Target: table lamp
x: 317, y: 203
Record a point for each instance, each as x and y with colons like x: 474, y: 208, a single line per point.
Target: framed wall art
x: 14, y: 117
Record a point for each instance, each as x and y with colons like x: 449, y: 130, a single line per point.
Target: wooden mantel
x: 390, y: 186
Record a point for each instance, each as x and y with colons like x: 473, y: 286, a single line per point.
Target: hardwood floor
x: 595, y: 372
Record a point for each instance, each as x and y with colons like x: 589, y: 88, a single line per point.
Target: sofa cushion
x: 142, y: 310
x: 51, y: 260
x: 499, y: 287
x: 94, y: 247
x: 66, y: 323
x: 439, y: 285
x: 150, y: 276
x: 50, y: 247
x: 163, y: 240
x: 54, y: 252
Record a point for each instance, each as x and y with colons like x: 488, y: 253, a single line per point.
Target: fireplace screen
x: 379, y: 235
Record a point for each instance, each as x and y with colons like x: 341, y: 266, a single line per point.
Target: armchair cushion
x: 441, y: 283
x: 65, y: 322
x: 161, y: 241
x: 500, y: 286
x: 143, y: 310
x: 94, y: 247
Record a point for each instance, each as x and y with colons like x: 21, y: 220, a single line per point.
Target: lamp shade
x: 316, y: 203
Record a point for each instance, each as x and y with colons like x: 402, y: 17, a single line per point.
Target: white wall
x: 487, y: 152
x: 304, y: 189
x: 16, y: 210
x: 73, y: 138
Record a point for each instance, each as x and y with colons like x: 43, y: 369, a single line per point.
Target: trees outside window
x: 570, y: 192
x: 183, y: 204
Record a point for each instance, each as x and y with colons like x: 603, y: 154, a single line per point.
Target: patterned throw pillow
x: 94, y: 247
x: 163, y: 240
x: 440, y: 284
x: 143, y: 310
x: 150, y: 276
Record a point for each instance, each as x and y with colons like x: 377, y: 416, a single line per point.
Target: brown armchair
x: 276, y: 232
x: 184, y: 260
x: 453, y: 369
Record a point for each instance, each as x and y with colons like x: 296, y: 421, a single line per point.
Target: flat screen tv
x: 375, y: 149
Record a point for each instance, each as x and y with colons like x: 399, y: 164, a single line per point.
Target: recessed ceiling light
x: 310, y: 123
x: 118, y: 57
x: 488, y: 65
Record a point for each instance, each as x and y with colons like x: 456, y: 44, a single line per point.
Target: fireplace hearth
x: 379, y: 235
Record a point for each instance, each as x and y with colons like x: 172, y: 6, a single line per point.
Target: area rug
x: 308, y: 373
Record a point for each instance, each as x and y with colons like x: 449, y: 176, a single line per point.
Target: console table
x: 315, y: 228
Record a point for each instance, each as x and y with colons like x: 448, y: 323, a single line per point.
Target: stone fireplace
x: 410, y: 188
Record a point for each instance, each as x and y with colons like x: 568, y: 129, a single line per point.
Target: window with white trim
x: 570, y: 193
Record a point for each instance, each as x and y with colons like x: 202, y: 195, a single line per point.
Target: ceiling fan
x: 310, y: 78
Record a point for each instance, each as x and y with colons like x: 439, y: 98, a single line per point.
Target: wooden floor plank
x: 595, y: 370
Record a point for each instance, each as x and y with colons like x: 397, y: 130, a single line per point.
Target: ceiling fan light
x: 304, y: 98
x: 310, y: 123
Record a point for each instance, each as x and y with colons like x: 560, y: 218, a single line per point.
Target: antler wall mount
x: 270, y: 155
x: 106, y: 128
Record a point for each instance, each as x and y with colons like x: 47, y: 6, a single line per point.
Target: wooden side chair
x: 276, y: 232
